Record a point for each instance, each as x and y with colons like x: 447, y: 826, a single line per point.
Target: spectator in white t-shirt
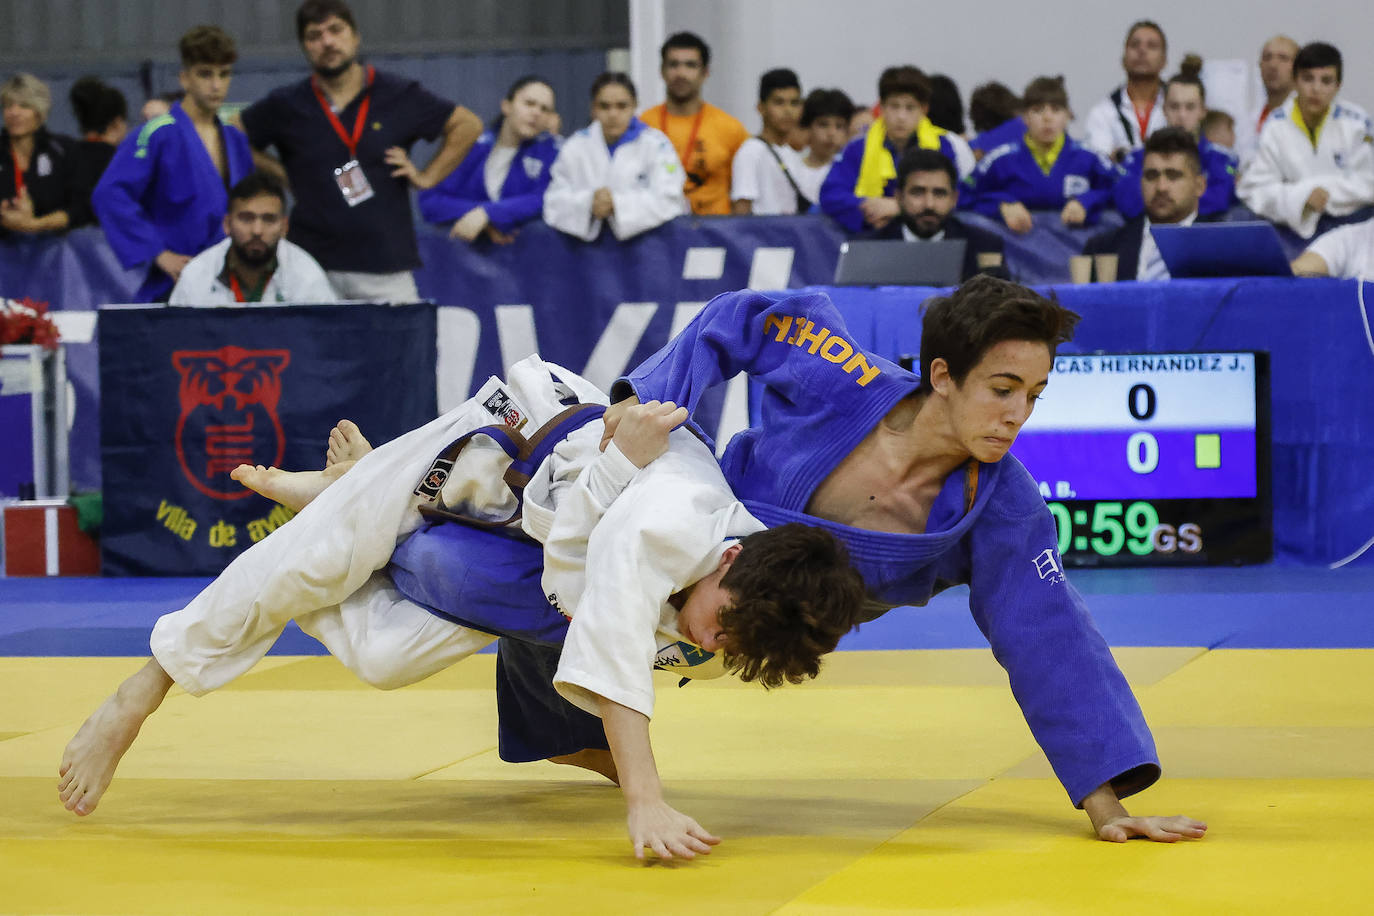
x: 762, y: 181
x: 1347, y: 251
x: 825, y: 119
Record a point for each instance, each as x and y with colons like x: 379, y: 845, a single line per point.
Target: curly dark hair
x: 795, y: 595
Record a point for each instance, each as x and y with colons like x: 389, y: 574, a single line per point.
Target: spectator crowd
x: 199, y: 203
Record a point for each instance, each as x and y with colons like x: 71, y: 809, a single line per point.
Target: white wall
x: 847, y: 43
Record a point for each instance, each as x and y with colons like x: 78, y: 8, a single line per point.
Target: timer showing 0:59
x: 1111, y: 527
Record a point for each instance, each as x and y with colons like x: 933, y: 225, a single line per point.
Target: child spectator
x: 862, y: 186
x: 1219, y: 129
x: 1044, y: 170
x: 825, y: 119
x: 763, y: 178
x: 996, y: 115
x: 103, y: 115
x: 1185, y: 106
x: 617, y: 170
x: 500, y: 184
x: 35, y: 179
x: 1315, y: 155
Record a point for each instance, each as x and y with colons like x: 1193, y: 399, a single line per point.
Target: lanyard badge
x: 350, y: 178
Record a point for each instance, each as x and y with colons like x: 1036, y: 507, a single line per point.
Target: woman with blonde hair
x: 35, y: 187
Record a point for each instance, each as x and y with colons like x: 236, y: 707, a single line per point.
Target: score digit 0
x: 1142, y: 449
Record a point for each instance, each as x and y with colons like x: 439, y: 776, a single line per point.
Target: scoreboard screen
x: 1155, y: 458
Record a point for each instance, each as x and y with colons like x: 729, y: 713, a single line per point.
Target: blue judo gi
x: 1219, y: 165
x: 162, y: 192
x: 522, y: 193
x: 1010, y: 174
x: 822, y: 395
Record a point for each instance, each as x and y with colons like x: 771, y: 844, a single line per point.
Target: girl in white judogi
x: 616, y: 171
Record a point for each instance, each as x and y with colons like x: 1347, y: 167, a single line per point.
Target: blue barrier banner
x: 200, y: 391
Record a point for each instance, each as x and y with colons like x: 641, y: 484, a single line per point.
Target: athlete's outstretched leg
x: 293, y: 489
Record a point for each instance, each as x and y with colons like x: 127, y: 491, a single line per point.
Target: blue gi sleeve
x: 459, y: 192
x: 118, y: 198
x: 1103, y: 175
x: 838, y: 200
x: 1220, y: 168
x: 1126, y: 193
x: 510, y: 212
x: 990, y: 182
x: 1074, y: 697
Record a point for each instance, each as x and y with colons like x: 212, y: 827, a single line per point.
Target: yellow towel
x: 876, y: 168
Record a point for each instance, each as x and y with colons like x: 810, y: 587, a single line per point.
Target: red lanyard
x: 691, y: 138
x: 1264, y: 116
x: 358, y: 123
x: 238, y: 290
x: 1143, y: 121
x: 18, y: 174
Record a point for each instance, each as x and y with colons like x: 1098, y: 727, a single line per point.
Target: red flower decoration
x: 26, y: 321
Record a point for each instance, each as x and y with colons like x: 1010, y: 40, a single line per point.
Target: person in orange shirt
x: 704, y: 136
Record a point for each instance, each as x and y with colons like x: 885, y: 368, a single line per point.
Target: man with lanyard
x: 342, y: 136
x: 705, y: 137
x: 1121, y: 122
x: 254, y: 264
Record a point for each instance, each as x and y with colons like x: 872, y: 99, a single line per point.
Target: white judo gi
x: 324, y: 568
x: 643, y: 174
x: 1286, y: 168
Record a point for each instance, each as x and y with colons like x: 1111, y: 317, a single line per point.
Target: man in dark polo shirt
x: 342, y: 136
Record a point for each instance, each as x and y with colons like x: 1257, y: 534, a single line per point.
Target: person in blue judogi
x: 500, y: 184
x: 163, y: 196
x: 1045, y: 169
x: 912, y: 473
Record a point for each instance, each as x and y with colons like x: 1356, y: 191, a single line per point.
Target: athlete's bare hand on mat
x: 667, y: 832
x: 612, y: 417
x: 1159, y: 829
x: 642, y: 432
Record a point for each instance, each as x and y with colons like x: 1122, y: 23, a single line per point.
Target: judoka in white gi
x: 674, y: 537
x: 617, y: 171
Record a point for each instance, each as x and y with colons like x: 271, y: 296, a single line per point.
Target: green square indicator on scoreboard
x: 1207, y: 450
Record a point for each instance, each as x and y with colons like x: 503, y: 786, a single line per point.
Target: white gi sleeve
x: 1101, y: 129
x: 963, y: 155
x: 1263, y: 188
x: 568, y: 200
x: 639, y: 209
x: 1353, y: 187
x: 309, y: 283
x: 196, y: 283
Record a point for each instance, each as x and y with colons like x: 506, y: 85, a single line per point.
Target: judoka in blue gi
x: 911, y: 472
x: 500, y: 184
x: 1043, y: 170
x: 679, y: 570
x: 162, y: 199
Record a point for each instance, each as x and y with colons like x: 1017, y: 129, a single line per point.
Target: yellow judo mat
x: 900, y: 781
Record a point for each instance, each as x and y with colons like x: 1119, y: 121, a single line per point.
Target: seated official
x: 499, y: 186
x: 616, y: 171
x: 929, y: 193
x: 1171, y: 183
x: 35, y: 166
x: 255, y: 263
x: 1346, y: 251
x: 1045, y: 169
x: 1185, y: 106
x: 1315, y: 156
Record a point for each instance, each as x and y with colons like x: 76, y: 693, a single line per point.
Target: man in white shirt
x: 1134, y: 110
x: 762, y: 177
x: 1347, y: 251
x: 255, y: 263
x: 1316, y: 155
x: 1171, y: 181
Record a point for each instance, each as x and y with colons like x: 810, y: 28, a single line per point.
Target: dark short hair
x: 773, y: 80
x: 614, y: 78
x: 904, y: 80
x: 925, y: 160
x: 97, y: 104
x: 946, y: 105
x: 1189, y: 74
x: 256, y: 184
x: 207, y: 44
x: 795, y: 594
x: 960, y: 328
x: 529, y: 79
x: 686, y: 41
x: 313, y: 12
x: 1215, y: 117
x: 1147, y: 24
x: 992, y: 105
x: 1046, y: 90
x: 1170, y: 140
x: 1319, y: 54
x: 822, y: 103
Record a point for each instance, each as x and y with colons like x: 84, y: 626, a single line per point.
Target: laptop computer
x: 900, y: 263
x: 1246, y: 249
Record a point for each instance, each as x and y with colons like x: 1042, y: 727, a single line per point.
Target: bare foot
x: 346, y: 443
x: 594, y: 759
x: 293, y: 489
x: 89, y: 762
